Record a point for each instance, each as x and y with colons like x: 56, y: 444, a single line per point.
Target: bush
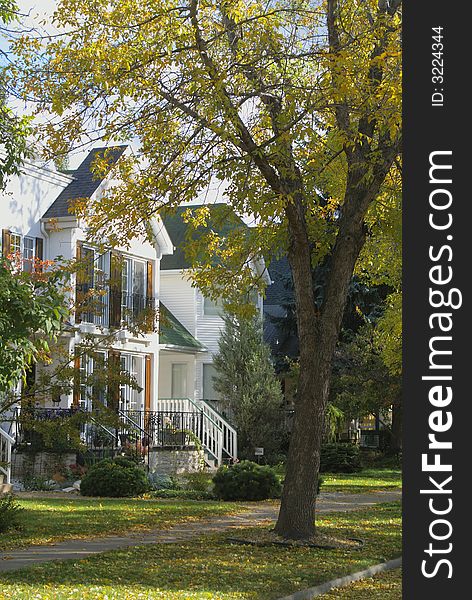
x: 115, y: 478
x: 200, y: 481
x: 37, y: 483
x: 11, y: 513
x: 161, y: 481
x: 340, y: 458
x: 246, y: 481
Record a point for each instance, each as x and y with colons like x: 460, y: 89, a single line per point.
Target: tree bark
x: 318, y: 335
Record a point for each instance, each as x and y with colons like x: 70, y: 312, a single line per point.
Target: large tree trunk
x: 318, y: 334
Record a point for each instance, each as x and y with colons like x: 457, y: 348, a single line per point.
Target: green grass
x: 367, y: 480
x: 48, y: 520
x: 386, y: 586
x: 209, y: 568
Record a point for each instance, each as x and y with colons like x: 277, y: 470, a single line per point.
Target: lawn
x: 50, y: 520
x: 209, y: 568
x: 367, y: 480
x: 385, y: 586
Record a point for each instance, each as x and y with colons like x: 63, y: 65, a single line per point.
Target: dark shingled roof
x: 85, y: 182
x: 278, y: 295
x: 173, y: 333
x: 222, y: 219
x: 280, y: 291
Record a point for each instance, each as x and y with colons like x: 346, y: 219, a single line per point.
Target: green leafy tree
x: 13, y: 129
x: 32, y: 310
x: 293, y: 104
x: 363, y: 384
x: 248, y: 386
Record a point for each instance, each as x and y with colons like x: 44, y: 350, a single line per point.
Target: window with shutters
x: 112, y: 289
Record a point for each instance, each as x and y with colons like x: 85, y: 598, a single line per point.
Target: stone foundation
x: 44, y: 464
x: 167, y: 461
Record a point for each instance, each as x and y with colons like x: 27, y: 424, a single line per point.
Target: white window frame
x: 204, y: 395
x: 87, y: 367
x: 212, y: 308
x: 17, y: 246
x: 128, y: 280
x: 134, y: 364
x: 101, y: 275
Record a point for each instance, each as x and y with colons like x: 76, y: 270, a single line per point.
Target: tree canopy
x: 292, y: 107
x: 32, y: 310
x: 13, y: 129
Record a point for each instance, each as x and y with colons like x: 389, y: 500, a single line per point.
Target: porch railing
x: 218, y: 437
x: 180, y: 422
x: 95, y: 308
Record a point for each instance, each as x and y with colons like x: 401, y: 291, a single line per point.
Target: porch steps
x: 217, y: 436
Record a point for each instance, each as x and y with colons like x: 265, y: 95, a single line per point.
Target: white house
x: 187, y: 370
x: 36, y: 222
x: 173, y: 365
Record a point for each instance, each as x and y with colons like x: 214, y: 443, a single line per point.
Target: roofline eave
x: 182, y: 349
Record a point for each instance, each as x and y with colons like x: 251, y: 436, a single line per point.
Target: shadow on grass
x: 211, y: 568
x: 45, y: 520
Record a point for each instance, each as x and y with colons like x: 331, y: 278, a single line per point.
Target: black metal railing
x: 133, y: 307
x: 97, y: 303
x: 162, y: 428
x: 126, y: 430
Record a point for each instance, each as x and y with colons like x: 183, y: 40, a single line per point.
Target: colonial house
x: 188, y: 369
x: 171, y: 363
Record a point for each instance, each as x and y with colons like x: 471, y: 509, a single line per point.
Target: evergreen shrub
x: 114, y: 478
x: 340, y: 458
x: 246, y: 481
x: 11, y: 513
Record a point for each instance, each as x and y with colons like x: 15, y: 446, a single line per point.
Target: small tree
x: 32, y: 310
x: 247, y: 383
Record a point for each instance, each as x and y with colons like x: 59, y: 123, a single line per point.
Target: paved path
x: 257, y: 514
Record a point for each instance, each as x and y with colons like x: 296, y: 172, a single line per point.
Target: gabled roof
x: 172, y: 333
x: 279, y: 295
x: 85, y: 181
x: 222, y: 220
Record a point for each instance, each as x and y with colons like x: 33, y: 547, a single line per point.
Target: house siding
x: 179, y: 297
x: 24, y: 202
x: 27, y: 197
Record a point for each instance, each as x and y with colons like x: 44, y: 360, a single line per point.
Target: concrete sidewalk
x: 257, y: 514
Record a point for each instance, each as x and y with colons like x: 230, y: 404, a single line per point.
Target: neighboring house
x: 38, y: 222
x: 173, y: 364
x: 187, y: 365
